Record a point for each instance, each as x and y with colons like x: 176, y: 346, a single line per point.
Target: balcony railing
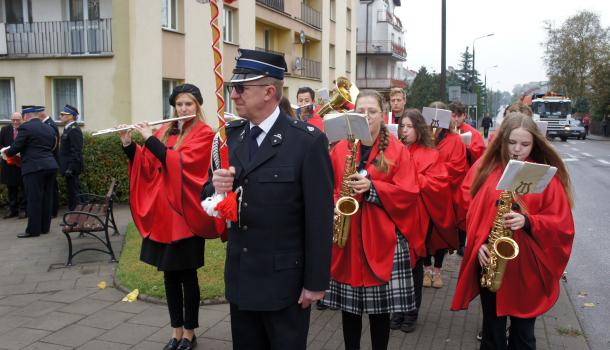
x: 380, y: 83
x: 310, y: 16
x: 274, y: 4
x: 268, y: 50
x: 310, y: 69
x: 382, y: 47
x: 387, y: 16
x: 59, y: 38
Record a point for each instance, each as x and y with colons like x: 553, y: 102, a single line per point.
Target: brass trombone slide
x: 129, y: 127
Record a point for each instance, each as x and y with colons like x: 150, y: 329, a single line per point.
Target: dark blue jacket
x: 36, y: 142
x: 71, y: 150
x: 282, y: 242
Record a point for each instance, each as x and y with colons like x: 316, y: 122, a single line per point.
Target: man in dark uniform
x: 35, y: 142
x: 278, y: 253
x: 71, y: 154
x: 11, y: 173
x: 55, y: 197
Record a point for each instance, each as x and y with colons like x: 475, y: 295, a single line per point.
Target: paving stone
x: 153, y: 316
x: 220, y: 331
x: 108, y: 294
x: 73, y: 336
x: 70, y: 295
x: 52, y: 275
x: 135, y: 307
x: 105, y: 319
x: 12, y: 279
x: 37, y: 308
x: 211, y: 344
x: 53, y: 321
x: 128, y: 333
x: 103, y: 345
x: 85, y: 306
x: 20, y: 337
x: 23, y: 288
x: 147, y: 345
x: 46, y: 346
x: 21, y: 299
x: 8, y: 322
x: 51, y: 286
x: 7, y: 309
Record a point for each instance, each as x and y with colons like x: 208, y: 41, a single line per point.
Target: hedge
x: 104, y: 158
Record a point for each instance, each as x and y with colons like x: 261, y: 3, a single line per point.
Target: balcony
x: 274, y: 4
x: 387, y: 16
x: 268, y: 50
x: 310, y: 16
x: 59, y: 38
x: 382, y: 47
x: 309, y: 69
x: 380, y: 83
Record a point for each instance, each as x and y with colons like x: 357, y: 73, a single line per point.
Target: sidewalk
x: 597, y: 137
x: 46, y: 306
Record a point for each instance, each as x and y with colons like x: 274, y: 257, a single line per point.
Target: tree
x: 600, y: 88
x: 424, y: 89
x: 468, y: 79
x: 573, y: 50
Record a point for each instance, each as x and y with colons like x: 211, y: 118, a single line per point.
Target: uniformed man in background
x: 71, y: 154
x: 278, y: 253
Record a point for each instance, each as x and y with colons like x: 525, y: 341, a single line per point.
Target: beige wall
x: 173, y: 54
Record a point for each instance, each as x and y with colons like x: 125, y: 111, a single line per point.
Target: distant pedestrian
x: 486, y: 123
x: 586, y: 122
x: 71, y: 154
x: 605, y: 126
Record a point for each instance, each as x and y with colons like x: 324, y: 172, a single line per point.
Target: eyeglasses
x: 239, y: 88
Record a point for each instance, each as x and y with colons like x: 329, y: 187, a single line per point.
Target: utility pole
x: 444, y: 50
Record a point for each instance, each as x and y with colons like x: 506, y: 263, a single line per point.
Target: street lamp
x: 473, y: 68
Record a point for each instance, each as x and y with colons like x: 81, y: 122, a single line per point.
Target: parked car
x: 575, y: 130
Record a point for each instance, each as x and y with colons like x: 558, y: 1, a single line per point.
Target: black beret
x: 189, y: 88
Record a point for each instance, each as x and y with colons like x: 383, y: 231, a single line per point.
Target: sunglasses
x: 239, y: 88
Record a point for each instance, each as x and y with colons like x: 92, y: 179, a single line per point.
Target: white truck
x: 556, y: 110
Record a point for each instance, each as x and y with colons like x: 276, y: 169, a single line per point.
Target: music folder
x: 466, y: 137
x: 525, y: 177
x: 339, y: 126
x: 437, y: 118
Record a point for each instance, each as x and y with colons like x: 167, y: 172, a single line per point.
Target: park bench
x: 90, y: 218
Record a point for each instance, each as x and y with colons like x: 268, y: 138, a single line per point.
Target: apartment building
x: 380, y: 46
x: 118, y: 60
x: 316, y: 37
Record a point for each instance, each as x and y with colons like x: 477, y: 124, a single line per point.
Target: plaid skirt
x: 398, y: 295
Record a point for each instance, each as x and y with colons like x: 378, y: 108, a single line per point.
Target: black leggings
x: 439, y: 256
x: 182, y: 292
x: 521, y: 331
x: 352, y: 329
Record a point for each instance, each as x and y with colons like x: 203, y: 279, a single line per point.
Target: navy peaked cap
x: 70, y: 110
x: 253, y: 65
x: 31, y: 109
x: 185, y: 88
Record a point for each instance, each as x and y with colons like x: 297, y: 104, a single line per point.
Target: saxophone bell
x: 347, y: 206
x: 506, y: 248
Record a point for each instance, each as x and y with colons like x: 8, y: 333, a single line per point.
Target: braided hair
x: 383, y: 164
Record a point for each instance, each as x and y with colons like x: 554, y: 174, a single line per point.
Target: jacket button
x: 245, y: 228
x: 244, y: 204
x: 275, y: 176
x: 245, y: 250
x: 246, y: 181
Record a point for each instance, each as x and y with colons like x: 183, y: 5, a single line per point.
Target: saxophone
x: 500, y: 244
x: 346, y: 205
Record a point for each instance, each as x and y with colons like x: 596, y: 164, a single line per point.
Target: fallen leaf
x: 582, y: 294
x: 132, y: 296
x: 588, y: 305
x: 101, y: 285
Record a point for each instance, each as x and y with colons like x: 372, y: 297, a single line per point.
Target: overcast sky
x: 517, y: 26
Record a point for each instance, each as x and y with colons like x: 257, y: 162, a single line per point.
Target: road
x: 588, y: 271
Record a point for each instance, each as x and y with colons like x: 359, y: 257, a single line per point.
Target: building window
x: 349, y: 19
x: 84, y: 10
x: 7, y: 98
x: 17, y: 11
x: 331, y: 56
x: 228, y: 25
x: 228, y: 101
x: 168, y: 86
x: 348, y: 61
x: 67, y: 91
x: 333, y: 9
x: 267, y: 38
x: 169, y: 14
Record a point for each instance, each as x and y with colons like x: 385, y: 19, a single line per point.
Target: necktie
x: 252, y: 144
x: 14, y: 133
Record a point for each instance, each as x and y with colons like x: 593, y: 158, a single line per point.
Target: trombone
x: 129, y: 127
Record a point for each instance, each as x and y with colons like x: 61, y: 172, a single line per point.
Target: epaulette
x: 235, y: 123
x: 310, y: 129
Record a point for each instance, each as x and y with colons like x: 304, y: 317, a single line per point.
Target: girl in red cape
x: 476, y: 148
x: 436, y: 209
x: 166, y: 176
x: 372, y: 272
x: 542, y: 226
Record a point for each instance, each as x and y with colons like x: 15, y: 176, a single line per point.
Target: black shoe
x: 10, y: 215
x: 27, y: 235
x: 320, y: 306
x: 396, y: 320
x: 408, y: 327
x: 186, y: 344
x: 480, y: 336
x: 171, y: 345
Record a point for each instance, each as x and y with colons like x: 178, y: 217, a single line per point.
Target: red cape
x: 164, y: 201
x: 477, y: 143
x: 452, y: 151
x: 436, y: 199
x: 543, y: 254
x: 367, y: 258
